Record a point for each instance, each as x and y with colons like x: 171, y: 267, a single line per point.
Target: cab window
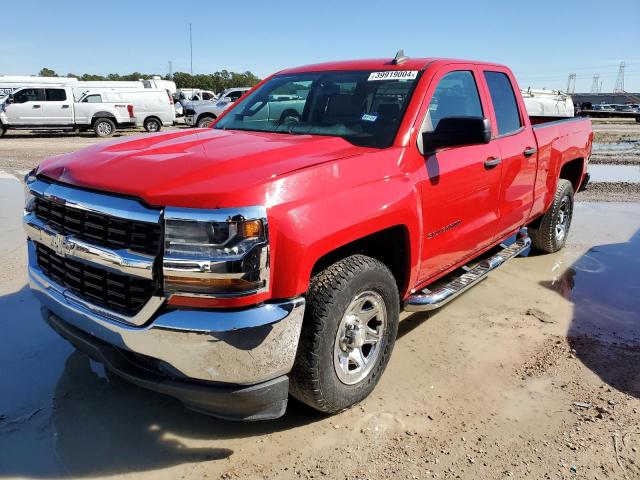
x: 504, y: 102
x: 455, y: 96
x: 28, y: 95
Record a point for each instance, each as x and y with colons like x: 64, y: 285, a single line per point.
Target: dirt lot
x: 534, y: 373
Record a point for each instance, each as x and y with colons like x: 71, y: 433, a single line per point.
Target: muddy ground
x: 534, y: 373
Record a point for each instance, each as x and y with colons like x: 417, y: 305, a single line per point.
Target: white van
x: 158, y: 83
x: 154, y: 108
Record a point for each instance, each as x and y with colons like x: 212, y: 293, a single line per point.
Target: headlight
x: 216, y: 252
x: 29, y: 198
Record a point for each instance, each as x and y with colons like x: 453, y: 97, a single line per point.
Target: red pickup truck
x: 271, y: 254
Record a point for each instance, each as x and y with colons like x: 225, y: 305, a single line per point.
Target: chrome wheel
x: 104, y: 128
x: 359, y: 337
x: 153, y: 126
x: 562, y: 222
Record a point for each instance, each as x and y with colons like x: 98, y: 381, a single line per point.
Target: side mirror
x: 457, y: 131
x: 9, y: 99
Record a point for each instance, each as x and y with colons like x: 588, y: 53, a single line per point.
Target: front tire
x: 348, y: 334
x: 205, y: 122
x: 152, y: 125
x: 104, y: 127
x: 551, y: 235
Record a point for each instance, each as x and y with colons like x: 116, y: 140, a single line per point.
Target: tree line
x: 215, y: 82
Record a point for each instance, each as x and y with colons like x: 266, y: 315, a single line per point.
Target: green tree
x: 47, y: 72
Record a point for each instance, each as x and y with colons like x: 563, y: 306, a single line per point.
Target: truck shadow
x: 605, y: 329
x: 67, y: 416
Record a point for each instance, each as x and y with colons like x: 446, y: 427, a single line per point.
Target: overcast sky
x: 542, y: 41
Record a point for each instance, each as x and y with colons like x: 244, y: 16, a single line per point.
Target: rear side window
x: 504, y: 102
x: 455, y: 96
x: 56, y: 95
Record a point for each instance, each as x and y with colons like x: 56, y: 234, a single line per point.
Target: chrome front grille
x: 98, y: 249
x: 98, y: 228
x: 120, y: 293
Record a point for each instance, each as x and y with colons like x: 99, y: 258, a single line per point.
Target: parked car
x: 201, y: 115
x: 154, y: 108
x: 52, y: 107
x: 233, y: 266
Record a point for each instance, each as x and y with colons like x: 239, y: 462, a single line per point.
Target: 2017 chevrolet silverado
x: 234, y: 265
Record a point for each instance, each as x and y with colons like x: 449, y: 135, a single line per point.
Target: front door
x: 462, y: 185
x: 26, y: 107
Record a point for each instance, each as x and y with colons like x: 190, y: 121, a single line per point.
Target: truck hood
x: 203, y: 168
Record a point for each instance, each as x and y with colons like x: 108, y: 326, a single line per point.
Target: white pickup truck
x: 52, y: 107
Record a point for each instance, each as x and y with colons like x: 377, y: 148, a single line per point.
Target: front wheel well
x: 204, y: 115
x: 389, y: 246
x: 572, y: 171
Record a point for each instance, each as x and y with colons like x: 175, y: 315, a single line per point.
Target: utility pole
x: 595, y: 84
x: 619, y: 88
x: 191, y: 48
x: 571, y: 83
x: 170, y: 69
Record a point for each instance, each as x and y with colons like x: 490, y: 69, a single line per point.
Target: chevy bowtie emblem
x: 60, y: 246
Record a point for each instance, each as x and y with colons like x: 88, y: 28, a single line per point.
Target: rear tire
x: 104, y: 127
x: 205, y: 122
x: 349, y: 329
x: 152, y: 125
x: 551, y: 234
x: 3, y: 130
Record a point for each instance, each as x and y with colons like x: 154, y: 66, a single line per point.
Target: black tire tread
x: 542, y: 238
x: 321, y: 298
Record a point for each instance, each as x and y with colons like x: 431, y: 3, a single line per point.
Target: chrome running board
x: 432, y: 299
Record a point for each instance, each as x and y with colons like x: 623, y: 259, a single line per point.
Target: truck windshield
x: 363, y: 107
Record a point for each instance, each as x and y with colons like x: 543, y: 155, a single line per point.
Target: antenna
x: 595, y: 83
x: 571, y: 83
x: 400, y: 58
x: 619, y: 88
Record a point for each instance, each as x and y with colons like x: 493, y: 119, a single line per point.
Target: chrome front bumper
x: 239, y: 347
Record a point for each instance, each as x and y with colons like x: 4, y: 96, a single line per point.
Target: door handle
x: 492, y: 162
x: 65, y: 106
x: 36, y: 106
x: 529, y: 151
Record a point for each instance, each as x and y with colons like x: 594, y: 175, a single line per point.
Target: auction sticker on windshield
x: 394, y: 75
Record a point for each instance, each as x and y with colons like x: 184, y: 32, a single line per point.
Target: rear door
x: 26, y: 108
x: 513, y: 133
x: 461, y: 186
x: 57, y: 107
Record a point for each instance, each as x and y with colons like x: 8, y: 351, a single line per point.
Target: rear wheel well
x: 572, y: 171
x: 389, y: 246
x: 101, y: 115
